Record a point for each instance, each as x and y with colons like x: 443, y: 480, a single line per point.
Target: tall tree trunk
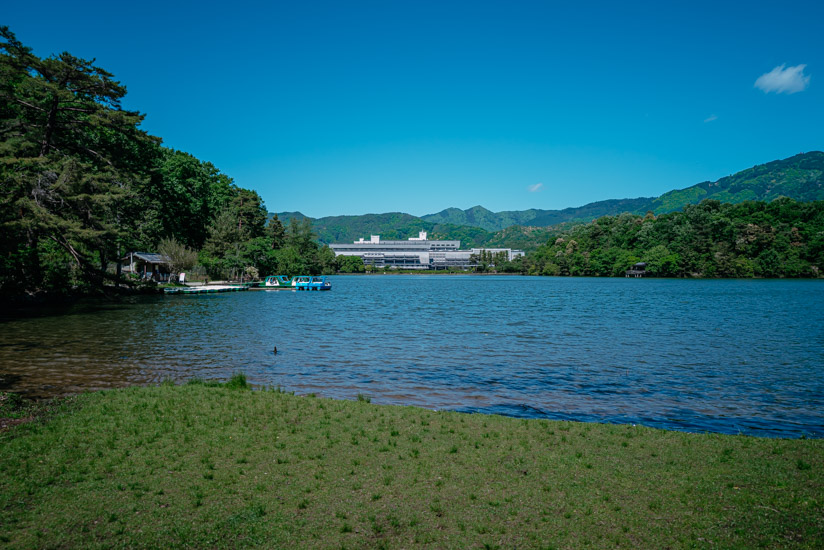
x: 50, y: 125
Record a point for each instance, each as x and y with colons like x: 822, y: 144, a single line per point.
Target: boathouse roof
x: 150, y: 257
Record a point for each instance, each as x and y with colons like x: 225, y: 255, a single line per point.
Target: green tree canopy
x: 82, y: 185
x: 72, y: 160
x: 782, y: 238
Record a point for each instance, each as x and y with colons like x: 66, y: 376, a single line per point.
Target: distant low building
x: 417, y: 253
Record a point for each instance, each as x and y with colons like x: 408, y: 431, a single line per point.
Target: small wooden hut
x: 147, y: 265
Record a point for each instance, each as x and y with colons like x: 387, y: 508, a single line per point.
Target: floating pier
x: 208, y: 289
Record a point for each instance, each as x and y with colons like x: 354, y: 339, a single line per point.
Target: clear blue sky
x: 349, y: 107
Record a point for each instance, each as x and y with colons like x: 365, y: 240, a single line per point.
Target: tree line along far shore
x: 83, y: 185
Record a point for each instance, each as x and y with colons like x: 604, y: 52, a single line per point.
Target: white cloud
x: 711, y: 118
x: 784, y: 80
x: 535, y: 188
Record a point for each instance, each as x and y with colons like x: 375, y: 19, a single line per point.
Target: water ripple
x: 722, y: 356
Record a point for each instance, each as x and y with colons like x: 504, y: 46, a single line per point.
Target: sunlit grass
x: 206, y: 465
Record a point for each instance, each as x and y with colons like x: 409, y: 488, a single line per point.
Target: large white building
x: 417, y: 253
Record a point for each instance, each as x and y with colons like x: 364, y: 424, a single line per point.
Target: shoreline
x: 268, y: 468
x: 124, y: 293
x: 549, y: 416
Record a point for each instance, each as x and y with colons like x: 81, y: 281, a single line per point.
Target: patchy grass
x: 15, y: 410
x: 13, y: 406
x: 207, y: 465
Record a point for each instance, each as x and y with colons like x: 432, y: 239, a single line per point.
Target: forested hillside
x: 83, y: 185
x: 496, y: 221
x: 800, y: 177
x: 783, y: 238
x: 392, y: 226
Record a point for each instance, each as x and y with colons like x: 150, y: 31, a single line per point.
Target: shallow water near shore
x: 729, y: 356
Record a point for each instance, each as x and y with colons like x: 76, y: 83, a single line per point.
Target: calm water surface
x: 728, y: 356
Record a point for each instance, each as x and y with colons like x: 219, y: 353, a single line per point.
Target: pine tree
x: 71, y: 158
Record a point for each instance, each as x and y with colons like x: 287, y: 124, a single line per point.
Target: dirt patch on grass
x: 6, y: 423
x: 16, y: 410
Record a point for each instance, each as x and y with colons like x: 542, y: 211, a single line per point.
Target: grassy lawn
x: 202, y: 465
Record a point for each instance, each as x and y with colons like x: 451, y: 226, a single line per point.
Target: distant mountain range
x: 800, y: 177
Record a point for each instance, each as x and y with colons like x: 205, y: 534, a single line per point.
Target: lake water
x: 731, y: 356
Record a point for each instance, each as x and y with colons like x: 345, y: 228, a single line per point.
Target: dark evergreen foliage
x: 71, y: 163
x: 782, y: 238
x: 82, y: 185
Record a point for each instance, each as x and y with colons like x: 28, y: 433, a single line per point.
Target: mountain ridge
x: 756, y: 183
x: 800, y: 177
